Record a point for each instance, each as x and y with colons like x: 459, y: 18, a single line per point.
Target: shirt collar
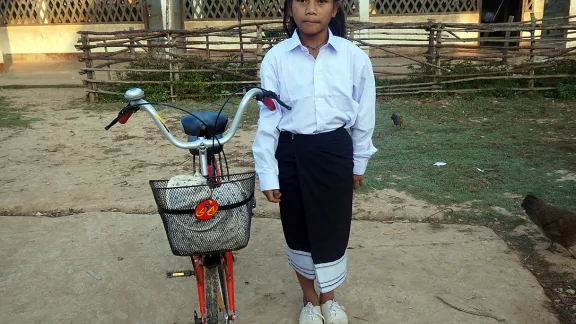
x: 294, y: 41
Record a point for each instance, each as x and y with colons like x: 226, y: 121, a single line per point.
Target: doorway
x: 500, y: 11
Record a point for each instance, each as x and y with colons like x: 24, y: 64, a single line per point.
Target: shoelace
x: 311, y: 313
x: 334, y: 307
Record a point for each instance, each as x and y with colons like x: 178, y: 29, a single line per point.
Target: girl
x: 305, y: 158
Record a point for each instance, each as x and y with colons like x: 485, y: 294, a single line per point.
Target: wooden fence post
x: 91, y: 96
x: 506, y: 44
x: 532, y: 48
x: 239, y: 12
x: 170, y: 65
x: 431, y: 41
x: 208, y: 46
x: 132, y: 48
x: 259, y: 51
x: 241, y: 47
x: 106, y: 51
x: 438, y: 71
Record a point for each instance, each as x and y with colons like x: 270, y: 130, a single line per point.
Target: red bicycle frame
x: 229, y: 273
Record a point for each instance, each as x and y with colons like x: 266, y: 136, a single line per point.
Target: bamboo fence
x: 408, y: 58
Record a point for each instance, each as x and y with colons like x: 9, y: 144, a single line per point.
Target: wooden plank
x: 532, y: 48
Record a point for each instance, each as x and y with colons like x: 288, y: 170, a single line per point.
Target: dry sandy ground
x: 395, y: 273
x: 43, y: 72
x: 68, y: 162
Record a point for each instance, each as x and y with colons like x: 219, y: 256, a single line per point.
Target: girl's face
x: 313, y: 16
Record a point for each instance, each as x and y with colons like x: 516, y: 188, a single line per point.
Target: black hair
x: 337, y: 25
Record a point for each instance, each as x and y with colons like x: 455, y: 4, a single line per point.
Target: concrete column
x: 176, y: 14
x: 1, y: 61
x: 364, y: 11
x: 572, y: 12
x: 165, y: 14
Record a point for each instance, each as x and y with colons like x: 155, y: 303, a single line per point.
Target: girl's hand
x: 273, y: 195
x: 358, y: 180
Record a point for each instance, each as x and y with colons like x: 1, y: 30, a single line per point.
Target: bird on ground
x: 398, y: 120
x: 556, y: 224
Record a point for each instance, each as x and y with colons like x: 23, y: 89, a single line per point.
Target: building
x: 48, y: 27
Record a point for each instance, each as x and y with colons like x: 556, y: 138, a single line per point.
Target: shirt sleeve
x: 266, y: 140
x: 362, y: 130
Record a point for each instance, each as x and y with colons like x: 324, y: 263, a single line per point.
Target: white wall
x: 50, y: 38
x: 407, y: 34
x: 1, y: 61
x: 572, y: 12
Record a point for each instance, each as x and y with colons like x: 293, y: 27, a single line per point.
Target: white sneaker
x: 334, y: 313
x: 311, y: 314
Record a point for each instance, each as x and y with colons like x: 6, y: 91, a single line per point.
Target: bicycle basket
x: 227, y: 230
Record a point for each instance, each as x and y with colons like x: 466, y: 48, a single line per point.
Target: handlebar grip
x: 268, y: 102
x: 125, y: 117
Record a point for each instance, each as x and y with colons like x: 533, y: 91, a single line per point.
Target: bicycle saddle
x: 207, y: 127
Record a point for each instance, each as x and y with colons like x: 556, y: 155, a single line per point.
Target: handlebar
x: 135, y: 102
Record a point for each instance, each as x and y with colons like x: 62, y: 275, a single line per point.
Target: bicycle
x: 206, y: 216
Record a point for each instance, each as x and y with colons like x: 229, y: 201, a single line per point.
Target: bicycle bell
x: 134, y: 94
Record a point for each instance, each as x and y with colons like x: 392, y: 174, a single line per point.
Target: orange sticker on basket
x: 206, y: 209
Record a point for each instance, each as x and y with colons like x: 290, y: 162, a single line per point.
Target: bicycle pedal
x: 178, y: 274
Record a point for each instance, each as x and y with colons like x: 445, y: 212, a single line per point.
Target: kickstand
x: 196, y: 319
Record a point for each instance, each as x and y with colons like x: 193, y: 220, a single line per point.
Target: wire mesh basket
x: 183, y: 211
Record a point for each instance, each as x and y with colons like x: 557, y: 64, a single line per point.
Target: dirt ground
x: 43, y: 73
x: 395, y: 273
x: 67, y: 164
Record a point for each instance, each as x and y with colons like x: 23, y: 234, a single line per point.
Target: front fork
x: 199, y: 271
x: 229, y: 274
x: 229, y: 277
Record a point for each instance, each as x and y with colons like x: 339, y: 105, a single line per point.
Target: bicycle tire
x: 211, y: 285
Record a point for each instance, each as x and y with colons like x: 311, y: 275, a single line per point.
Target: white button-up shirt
x: 336, y: 89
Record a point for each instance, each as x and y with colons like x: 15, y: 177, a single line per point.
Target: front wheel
x: 213, y: 295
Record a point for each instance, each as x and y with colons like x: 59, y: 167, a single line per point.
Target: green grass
x: 519, y: 144
x: 112, y: 150
x: 12, y: 117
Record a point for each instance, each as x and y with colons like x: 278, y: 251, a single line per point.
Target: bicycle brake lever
x: 283, y: 104
x: 111, y: 124
x: 274, y: 96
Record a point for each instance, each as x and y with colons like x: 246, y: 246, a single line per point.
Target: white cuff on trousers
x: 329, y: 275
